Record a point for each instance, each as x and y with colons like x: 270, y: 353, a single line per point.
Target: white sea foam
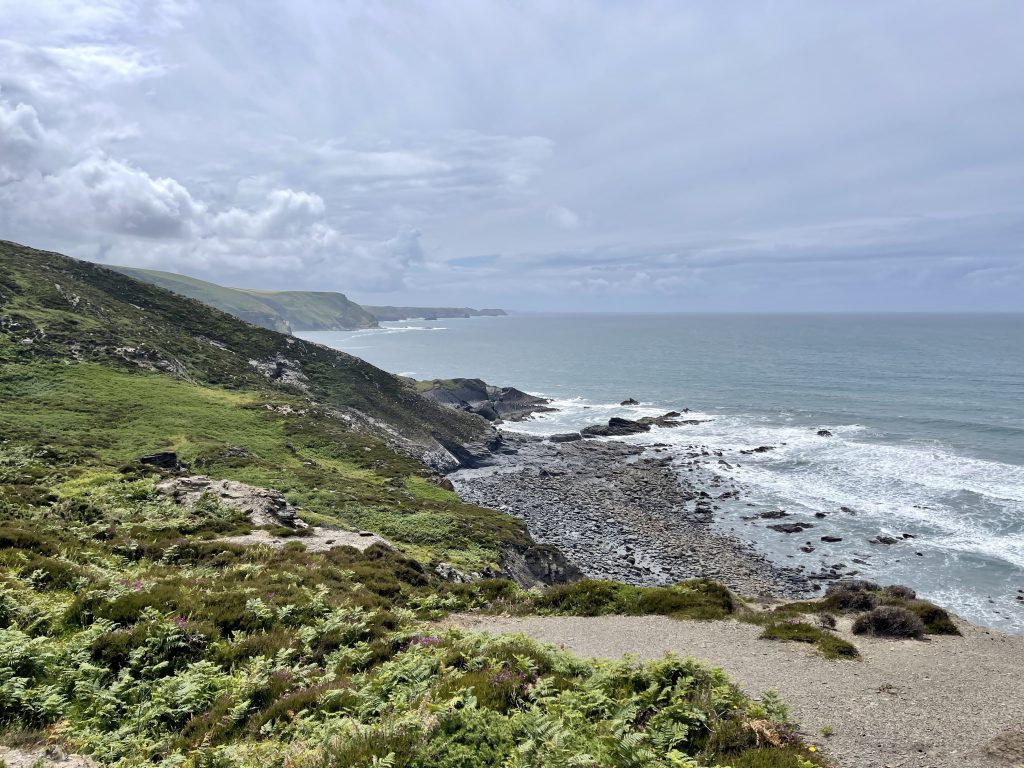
x: 919, y: 488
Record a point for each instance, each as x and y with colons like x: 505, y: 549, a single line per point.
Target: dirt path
x: 945, y: 702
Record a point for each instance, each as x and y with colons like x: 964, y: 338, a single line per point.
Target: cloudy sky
x: 571, y: 155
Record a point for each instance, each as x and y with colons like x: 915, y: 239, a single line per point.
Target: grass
x: 829, y: 645
x: 277, y: 310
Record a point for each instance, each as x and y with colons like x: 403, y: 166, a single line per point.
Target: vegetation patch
x: 829, y: 645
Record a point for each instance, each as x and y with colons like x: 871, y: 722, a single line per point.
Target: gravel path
x: 940, y: 703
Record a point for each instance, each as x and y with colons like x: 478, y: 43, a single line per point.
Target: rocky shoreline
x: 619, y: 512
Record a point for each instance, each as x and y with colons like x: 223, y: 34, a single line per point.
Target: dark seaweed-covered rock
x: 615, y: 427
x: 790, y: 527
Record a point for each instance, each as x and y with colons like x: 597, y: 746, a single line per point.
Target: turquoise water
x: 927, y: 413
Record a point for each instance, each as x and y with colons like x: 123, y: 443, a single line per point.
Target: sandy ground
x: 940, y: 703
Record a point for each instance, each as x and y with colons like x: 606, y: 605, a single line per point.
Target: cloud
x: 630, y: 156
x: 563, y: 217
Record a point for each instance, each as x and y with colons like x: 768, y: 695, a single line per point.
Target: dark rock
x: 831, y: 539
x: 162, y: 460
x: 616, y: 427
x: 824, y: 433
x: 490, y: 402
x: 537, y: 565
x: 820, y: 515
x: 759, y: 449
x: 790, y: 527
x: 441, y: 482
x: 847, y: 510
x: 630, y: 401
x: 565, y: 437
x: 883, y: 539
x: 775, y: 514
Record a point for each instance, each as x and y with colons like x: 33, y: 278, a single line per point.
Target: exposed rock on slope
x: 263, y: 506
x: 477, y: 396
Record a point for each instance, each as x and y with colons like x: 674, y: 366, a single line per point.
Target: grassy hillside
x: 283, y: 311
x: 317, y: 310
x: 132, y: 632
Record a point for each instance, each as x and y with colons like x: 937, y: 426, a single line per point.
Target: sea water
x: 926, y: 413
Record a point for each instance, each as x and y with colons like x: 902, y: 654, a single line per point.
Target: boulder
x: 831, y: 539
x: 161, y: 460
x: 883, y: 539
x: 630, y: 401
x: 615, y: 427
x: 565, y: 437
x: 759, y: 449
x: 264, y: 506
x: 790, y: 527
x: 824, y: 433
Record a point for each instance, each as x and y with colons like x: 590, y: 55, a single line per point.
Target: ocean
x: 926, y: 413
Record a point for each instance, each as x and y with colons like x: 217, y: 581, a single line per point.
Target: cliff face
x: 283, y: 311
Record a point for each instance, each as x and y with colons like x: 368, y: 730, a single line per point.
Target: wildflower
x: 812, y: 749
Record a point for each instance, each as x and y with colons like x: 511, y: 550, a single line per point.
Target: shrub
x: 889, y: 621
x: 937, y: 621
x: 842, y: 599
x: 830, y: 646
x: 901, y: 592
x: 826, y: 621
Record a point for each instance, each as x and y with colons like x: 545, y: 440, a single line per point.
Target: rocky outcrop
x: 495, y: 404
x: 615, y: 427
x: 565, y: 437
x: 163, y: 460
x: 264, y: 506
x: 537, y: 565
x: 618, y: 427
x: 630, y: 401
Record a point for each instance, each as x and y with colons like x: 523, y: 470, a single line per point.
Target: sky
x: 774, y: 155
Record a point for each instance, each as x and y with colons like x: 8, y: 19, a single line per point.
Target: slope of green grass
x: 241, y: 304
x: 60, y: 309
x: 283, y: 311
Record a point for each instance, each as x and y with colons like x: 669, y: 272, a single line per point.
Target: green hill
x: 283, y: 311
x: 143, y: 628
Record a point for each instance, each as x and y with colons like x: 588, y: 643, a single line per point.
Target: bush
x: 937, y: 621
x: 830, y: 646
x: 842, y: 599
x: 900, y: 592
x: 826, y: 621
x: 889, y: 621
x: 694, y: 599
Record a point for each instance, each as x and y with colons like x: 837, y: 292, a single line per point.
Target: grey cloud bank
x: 577, y: 156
